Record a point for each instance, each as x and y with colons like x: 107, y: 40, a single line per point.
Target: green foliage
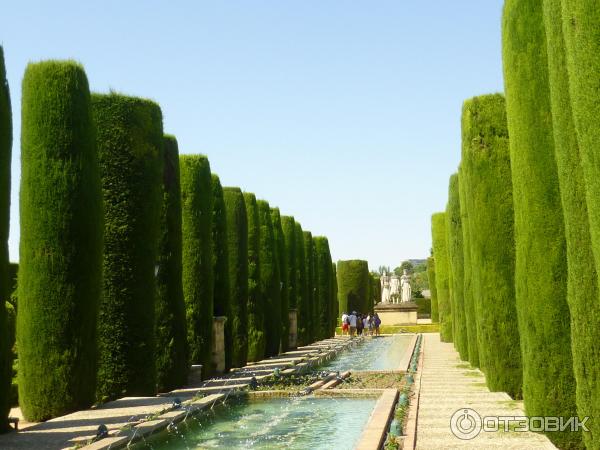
x: 490, y: 211
x: 198, y: 281
x: 582, y: 289
x: 442, y: 274
x: 433, y: 289
x: 354, y: 286
x: 130, y: 149
x: 301, y: 288
x: 424, y: 305
x: 5, y: 291
x: 13, y: 272
x: 172, y: 363
x: 288, y: 224
x: 466, y: 204
x: 60, y: 250
x: 335, y: 309
x: 541, y: 259
x: 269, y: 280
x: 309, y: 262
x: 237, y: 256
x: 255, y: 308
x: 283, y: 280
x: 406, y: 265
x: 454, y: 239
x: 323, y: 281
x: 375, y: 290
x: 220, y: 263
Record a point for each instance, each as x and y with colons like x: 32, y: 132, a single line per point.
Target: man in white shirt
x: 352, y: 320
x: 345, y: 325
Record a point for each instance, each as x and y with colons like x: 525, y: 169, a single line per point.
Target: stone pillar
x: 293, y: 339
x: 218, y: 344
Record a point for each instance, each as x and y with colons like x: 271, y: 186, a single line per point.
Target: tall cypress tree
x: 221, y: 264
x: 256, y: 313
x: 582, y: 290
x: 309, y: 263
x: 130, y: 149
x: 283, y: 281
x: 288, y: 225
x: 198, y: 281
x: 237, y: 256
x: 5, y: 291
x: 541, y: 259
x: 323, y: 284
x: 468, y: 287
x: 60, y: 250
x: 454, y: 237
x: 487, y: 167
x: 172, y: 364
x: 432, y: 288
x: 301, y: 288
x: 269, y: 280
x: 442, y: 274
x: 334, y: 299
x: 353, y: 279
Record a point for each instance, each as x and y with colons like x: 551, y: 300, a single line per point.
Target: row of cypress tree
x: 525, y: 294
x: 128, y: 250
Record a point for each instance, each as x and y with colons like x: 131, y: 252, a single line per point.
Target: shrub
x: 309, y: 262
x: 5, y: 291
x: 353, y: 280
x: 60, y: 251
x: 172, y: 363
x: 424, y: 307
x: 221, y: 264
x: 454, y: 238
x: 130, y: 149
x: 491, y: 218
x: 255, y: 308
x: 269, y: 280
x: 582, y: 289
x: 301, y: 288
x: 323, y: 285
x: 541, y: 260
x: 283, y: 273
x: 464, y: 191
x: 237, y: 255
x: 334, y: 299
x: 442, y: 275
x: 198, y: 281
x: 432, y: 288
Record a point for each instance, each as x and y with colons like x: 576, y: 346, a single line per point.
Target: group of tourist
x: 356, y: 324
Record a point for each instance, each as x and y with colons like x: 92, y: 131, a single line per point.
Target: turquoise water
x: 291, y: 423
x: 376, y: 353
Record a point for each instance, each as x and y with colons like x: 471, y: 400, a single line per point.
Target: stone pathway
x: 65, y: 432
x: 447, y: 385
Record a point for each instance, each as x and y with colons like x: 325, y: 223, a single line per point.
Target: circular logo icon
x: 465, y: 424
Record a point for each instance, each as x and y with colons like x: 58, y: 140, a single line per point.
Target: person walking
x: 352, y: 319
x: 369, y: 324
x: 376, y: 323
x: 345, y: 324
x: 359, y: 324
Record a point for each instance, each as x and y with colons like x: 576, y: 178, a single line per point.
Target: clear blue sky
x: 344, y: 114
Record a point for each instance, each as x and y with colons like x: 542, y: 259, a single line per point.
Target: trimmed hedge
x: 301, y: 288
x: 237, y: 256
x: 172, y: 363
x: 269, y: 280
x: 582, y: 290
x: 334, y: 298
x: 491, y: 219
x: 283, y: 281
x: 375, y: 290
x: 353, y: 279
x: 309, y: 262
x: 288, y: 224
x: 5, y: 290
x: 130, y: 148
x: 541, y: 259
x: 60, y: 252
x: 255, y: 308
x: 323, y: 280
x: 198, y: 281
x: 220, y: 263
x: 432, y: 288
x: 464, y: 191
x: 454, y: 237
x: 442, y: 275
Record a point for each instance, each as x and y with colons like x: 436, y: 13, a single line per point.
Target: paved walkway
x: 448, y: 385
